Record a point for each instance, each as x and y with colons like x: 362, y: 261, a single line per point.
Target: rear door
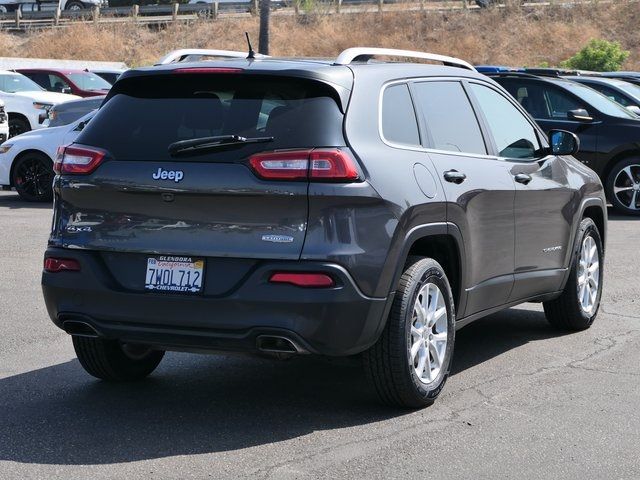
x: 204, y: 203
x: 479, y: 189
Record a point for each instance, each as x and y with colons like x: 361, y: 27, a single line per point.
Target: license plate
x: 174, y: 274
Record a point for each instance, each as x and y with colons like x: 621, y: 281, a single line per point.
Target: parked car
x: 631, y: 77
x: 272, y: 206
x: 76, y: 82
x: 26, y: 103
x: 65, y: 113
x: 26, y: 161
x: 4, y: 123
x: 109, y: 75
x: 609, y: 133
x: 7, y: 6
x: 625, y: 93
x: 496, y: 68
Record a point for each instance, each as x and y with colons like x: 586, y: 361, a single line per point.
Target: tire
x: 568, y: 311
x: 623, y: 186
x: 112, y: 361
x: 32, y: 177
x: 390, y: 364
x: 205, y: 12
x: 18, y: 125
x: 74, y: 6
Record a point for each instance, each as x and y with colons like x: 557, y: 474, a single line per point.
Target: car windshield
x: 15, y: 82
x: 599, y: 101
x: 630, y: 88
x: 89, y: 81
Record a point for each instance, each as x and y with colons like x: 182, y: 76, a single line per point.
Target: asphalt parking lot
x: 524, y: 401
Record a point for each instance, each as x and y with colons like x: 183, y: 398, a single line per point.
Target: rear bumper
x: 333, y: 321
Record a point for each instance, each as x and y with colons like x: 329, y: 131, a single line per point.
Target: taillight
x: 291, y: 165
x: 303, y: 279
x: 55, y: 265
x: 77, y: 160
x: 329, y: 165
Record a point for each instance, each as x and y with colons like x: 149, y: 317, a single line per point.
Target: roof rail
x: 365, y: 53
x: 559, y: 72
x: 196, y: 54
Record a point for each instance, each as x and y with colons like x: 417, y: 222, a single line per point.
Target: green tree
x: 598, y: 55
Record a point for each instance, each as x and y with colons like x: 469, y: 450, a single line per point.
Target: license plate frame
x: 174, y: 274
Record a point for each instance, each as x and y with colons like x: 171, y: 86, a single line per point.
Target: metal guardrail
x: 19, y: 20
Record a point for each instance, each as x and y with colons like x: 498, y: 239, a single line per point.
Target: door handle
x: 454, y: 176
x: 523, y: 178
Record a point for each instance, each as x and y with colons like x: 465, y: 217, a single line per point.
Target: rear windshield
x: 147, y: 114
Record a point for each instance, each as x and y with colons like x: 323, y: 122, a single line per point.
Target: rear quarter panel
x: 368, y: 229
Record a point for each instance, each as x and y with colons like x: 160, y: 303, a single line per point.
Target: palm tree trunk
x: 263, y: 37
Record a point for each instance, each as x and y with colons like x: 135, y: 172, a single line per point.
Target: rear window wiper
x: 209, y: 143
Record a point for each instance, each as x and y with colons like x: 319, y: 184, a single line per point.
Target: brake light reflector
x: 55, y: 265
x: 77, y: 160
x: 332, y: 165
x: 303, y: 279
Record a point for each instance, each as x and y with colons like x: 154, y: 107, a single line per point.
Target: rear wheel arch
x: 443, y: 243
x: 444, y: 250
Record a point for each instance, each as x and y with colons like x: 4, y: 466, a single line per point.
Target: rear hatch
x: 197, y: 200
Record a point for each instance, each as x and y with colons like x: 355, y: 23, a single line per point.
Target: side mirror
x: 579, y: 114
x: 563, y: 142
x: 66, y: 90
x: 634, y: 109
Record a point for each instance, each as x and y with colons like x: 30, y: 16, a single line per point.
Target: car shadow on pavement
x: 12, y: 201
x: 499, y: 333
x: 199, y: 404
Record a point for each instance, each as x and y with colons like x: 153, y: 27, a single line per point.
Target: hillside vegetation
x: 511, y: 36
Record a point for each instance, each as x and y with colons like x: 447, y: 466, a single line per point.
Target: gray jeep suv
x: 316, y: 207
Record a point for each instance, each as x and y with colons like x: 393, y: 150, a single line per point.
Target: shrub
x: 598, y: 55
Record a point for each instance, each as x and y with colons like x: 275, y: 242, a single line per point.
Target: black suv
x: 315, y: 207
x: 609, y: 133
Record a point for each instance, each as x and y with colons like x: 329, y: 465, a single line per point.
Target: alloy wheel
x: 626, y: 187
x: 588, y: 275
x: 34, y: 177
x: 428, y: 338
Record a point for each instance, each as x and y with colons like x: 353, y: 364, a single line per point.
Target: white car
x: 4, y: 123
x: 8, y: 6
x: 26, y: 161
x: 26, y: 103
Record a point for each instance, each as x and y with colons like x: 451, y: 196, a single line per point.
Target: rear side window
x: 515, y: 137
x: 399, y: 124
x: 449, y: 117
x: 147, y: 114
